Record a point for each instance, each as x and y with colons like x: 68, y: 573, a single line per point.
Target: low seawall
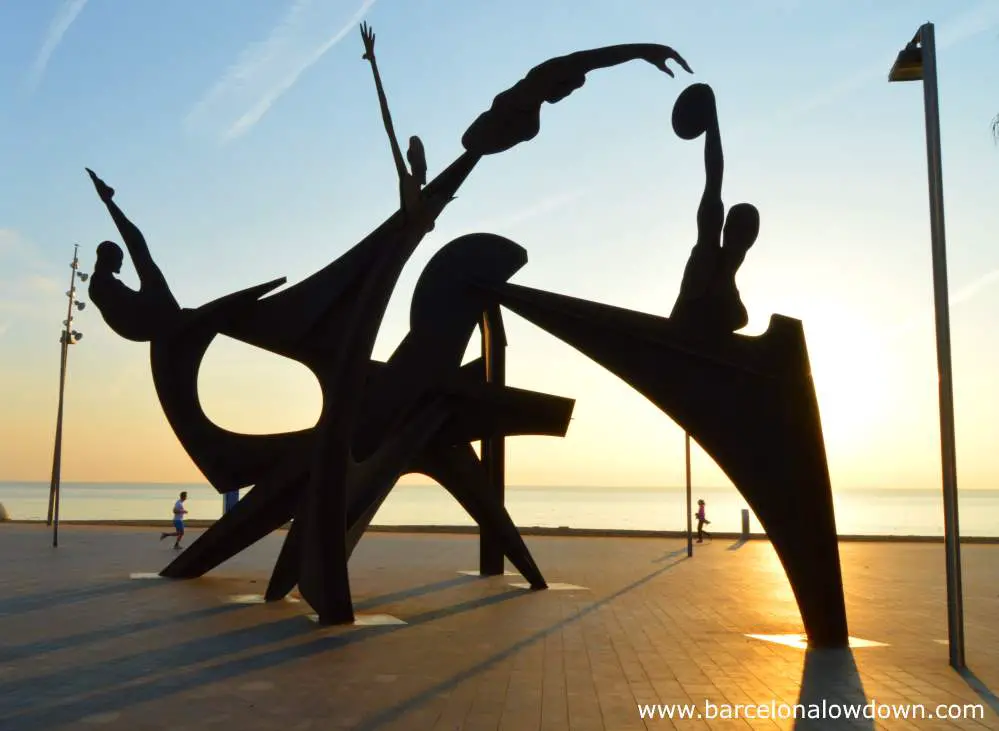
x: 535, y: 531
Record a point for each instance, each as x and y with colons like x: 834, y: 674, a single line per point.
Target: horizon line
x: 521, y: 486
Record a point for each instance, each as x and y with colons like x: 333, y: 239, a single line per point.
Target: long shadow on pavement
x: 416, y: 591
x: 830, y: 679
x: 670, y: 554
x: 60, y: 597
x: 21, y: 652
x: 983, y: 691
x: 47, y: 701
x: 398, y: 710
x: 53, y: 708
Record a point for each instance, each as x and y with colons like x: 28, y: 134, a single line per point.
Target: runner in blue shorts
x: 178, y: 521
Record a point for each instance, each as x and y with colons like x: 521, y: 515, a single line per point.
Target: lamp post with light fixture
x: 68, y: 337
x: 690, y: 507
x: 918, y: 62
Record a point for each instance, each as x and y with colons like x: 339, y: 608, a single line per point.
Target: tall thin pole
x: 948, y: 447
x: 67, y: 334
x: 690, y: 507
x: 491, y: 559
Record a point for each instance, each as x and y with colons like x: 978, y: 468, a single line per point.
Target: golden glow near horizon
x: 604, y: 201
x: 875, y: 384
x: 115, y: 430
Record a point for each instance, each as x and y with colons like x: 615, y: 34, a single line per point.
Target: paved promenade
x: 628, y: 621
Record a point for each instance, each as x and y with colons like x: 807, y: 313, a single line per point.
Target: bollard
x: 229, y: 500
x: 745, y: 523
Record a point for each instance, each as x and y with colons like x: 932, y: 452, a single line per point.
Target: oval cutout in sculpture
x: 251, y: 391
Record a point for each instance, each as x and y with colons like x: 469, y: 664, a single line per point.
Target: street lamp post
x: 690, y: 507
x: 68, y: 337
x: 918, y: 62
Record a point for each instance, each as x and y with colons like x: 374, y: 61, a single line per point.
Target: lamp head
x: 908, y: 65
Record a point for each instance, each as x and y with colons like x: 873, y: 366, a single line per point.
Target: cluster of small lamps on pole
x: 67, y: 337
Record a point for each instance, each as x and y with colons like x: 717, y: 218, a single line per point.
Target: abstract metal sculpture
x: 418, y: 412
x: 750, y: 402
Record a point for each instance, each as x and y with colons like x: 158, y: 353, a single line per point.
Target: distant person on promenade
x: 702, y: 521
x: 179, y: 511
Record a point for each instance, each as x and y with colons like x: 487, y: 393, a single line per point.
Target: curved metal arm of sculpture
x: 459, y: 471
x: 228, y: 460
x: 444, y: 314
x: 515, y: 114
x: 306, y: 321
x: 296, y: 564
x: 763, y: 430
x: 345, y: 303
x: 369, y: 482
x: 272, y: 500
x: 443, y: 317
x: 232, y: 461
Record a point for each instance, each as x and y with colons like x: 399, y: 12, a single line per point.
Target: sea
x: 876, y: 511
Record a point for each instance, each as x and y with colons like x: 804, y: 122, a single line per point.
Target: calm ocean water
x: 858, y: 512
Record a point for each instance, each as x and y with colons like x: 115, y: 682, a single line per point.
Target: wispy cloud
x: 9, y: 241
x: 972, y: 289
x: 959, y: 296
x: 267, y: 69
x: 780, y: 6
x: 16, y: 250
x: 950, y: 32
x: 67, y: 14
x: 26, y: 289
x: 545, y: 205
x: 41, y: 285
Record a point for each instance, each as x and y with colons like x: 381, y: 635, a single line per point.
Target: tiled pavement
x: 83, y: 645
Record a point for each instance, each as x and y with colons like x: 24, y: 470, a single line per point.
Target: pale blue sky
x: 244, y: 139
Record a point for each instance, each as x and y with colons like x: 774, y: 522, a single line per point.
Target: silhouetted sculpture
x: 515, y: 114
x: 377, y: 421
x: 409, y: 183
x: 749, y: 402
x: 134, y: 315
x: 709, y: 298
x: 417, y: 159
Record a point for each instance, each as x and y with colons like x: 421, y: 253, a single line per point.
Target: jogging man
x: 178, y: 521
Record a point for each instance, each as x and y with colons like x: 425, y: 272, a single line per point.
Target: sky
x: 243, y: 137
